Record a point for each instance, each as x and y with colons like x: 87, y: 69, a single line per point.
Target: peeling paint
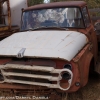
x: 44, y: 44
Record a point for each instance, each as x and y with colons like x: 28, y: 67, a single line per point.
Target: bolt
x: 77, y: 83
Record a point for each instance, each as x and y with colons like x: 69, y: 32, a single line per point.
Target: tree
x: 34, y: 2
x: 90, y: 3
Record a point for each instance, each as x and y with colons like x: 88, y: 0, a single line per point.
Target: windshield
x: 56, y: 17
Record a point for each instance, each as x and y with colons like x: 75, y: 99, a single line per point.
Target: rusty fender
x: 83, y: 59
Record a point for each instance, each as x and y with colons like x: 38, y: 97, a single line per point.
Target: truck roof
x: 57, y: 4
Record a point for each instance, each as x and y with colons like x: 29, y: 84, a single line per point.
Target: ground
x: 90, y: 92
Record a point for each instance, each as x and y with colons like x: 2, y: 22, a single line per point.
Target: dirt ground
x: 90, y: 92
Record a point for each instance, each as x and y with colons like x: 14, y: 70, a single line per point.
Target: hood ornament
x: 21, y: 53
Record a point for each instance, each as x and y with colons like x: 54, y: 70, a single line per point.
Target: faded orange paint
x: 80, y: 63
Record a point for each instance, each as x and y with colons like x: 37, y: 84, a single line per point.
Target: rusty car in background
x: 6, y: 28
x: 55, y: 51
x: 10, y: 16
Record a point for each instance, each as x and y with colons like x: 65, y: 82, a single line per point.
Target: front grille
x: 34, y: 75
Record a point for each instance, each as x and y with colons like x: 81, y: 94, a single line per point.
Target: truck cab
x: 54, y: 51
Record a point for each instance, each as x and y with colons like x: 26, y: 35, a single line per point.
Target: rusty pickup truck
x: 54, y: 52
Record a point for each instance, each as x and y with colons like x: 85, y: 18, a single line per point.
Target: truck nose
x: 12, y: 70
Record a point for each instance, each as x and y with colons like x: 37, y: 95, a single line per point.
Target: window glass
x: 55, y: 17
x: 86, y: 17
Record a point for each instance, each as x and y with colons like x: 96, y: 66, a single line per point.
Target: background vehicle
x: 54, y: 53
x: 10, y: 16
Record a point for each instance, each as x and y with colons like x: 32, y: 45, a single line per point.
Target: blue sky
x: 46, y: 1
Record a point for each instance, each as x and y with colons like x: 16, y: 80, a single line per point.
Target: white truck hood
x: 44, y: 44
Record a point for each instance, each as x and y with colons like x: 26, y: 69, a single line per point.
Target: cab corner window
x: 86, y: 17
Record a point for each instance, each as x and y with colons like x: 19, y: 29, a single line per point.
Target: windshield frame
x: 88, y: 15
x: 80, y: 9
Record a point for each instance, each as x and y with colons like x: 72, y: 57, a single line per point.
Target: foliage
x: 90, y: 3
x: 93, y: 3
x: 34, y: 2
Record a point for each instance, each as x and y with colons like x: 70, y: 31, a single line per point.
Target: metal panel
x: 44, y: 44
x: 16, y: 10
x: 50, y: 78
x: 57, y: 78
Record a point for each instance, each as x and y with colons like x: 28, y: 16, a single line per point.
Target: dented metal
x: 50, y: 78
x: 36, y: 68
x: 62, y: 47
x: 44, y: 44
